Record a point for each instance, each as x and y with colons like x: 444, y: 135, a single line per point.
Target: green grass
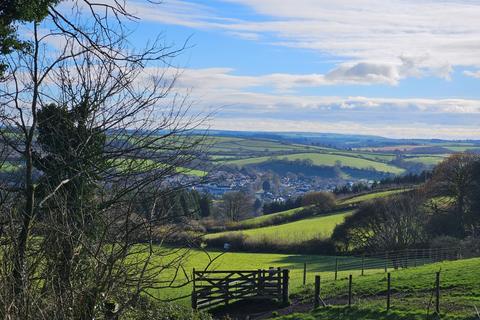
x: 252, y: 222
x: 412, y: 291
x: 292, y: 232
x: 411, y: 288
x: 143, y: 165
x: 323, y: 159
x: 199, y: 260
x: 7, y: 167
x: 382, y: 157
x: 429, y: 160
x: 240, y: 146
x: 371, y: 196
x: 263, y: 220
x: 461, y: 148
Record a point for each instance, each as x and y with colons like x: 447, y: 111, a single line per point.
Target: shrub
x: 240, y: 242
x: 323, y: 201
x: 445, y: 242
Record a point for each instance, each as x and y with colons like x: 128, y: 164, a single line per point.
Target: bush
x: 445, y: 242
x: 323, y: 201
x: 240, y: 242
x: 147, y: 309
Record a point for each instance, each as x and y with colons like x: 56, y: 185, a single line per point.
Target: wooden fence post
x: 437, y: 293
x: 363, y: 264
x: 406, y: 258
x: 317, y: 292
x: 285, y: 287
x: 227, y: 294
x: 304, y: 273
x: 350, y: 290
x: 279, y: 283
x: 194, y: 294
x: 388, y: 291
x: 386, y: 261
x: 260, y: 282
x: 336, y: 268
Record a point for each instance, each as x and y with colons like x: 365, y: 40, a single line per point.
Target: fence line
x: 391, y: 260
x: 387, y: 295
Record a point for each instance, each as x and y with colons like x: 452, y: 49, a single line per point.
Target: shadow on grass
x: 346, y: 313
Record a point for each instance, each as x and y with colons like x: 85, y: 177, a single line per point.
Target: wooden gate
x: 211, y: 288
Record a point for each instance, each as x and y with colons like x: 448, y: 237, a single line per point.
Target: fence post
x: 415, y: 257
x: 363, y: 263
x: 260, y: 280
x: 388, y: 291
x: 336, y: 268
x: 194, y: 294
x: 304, y: 273
x: 437, y: 293
x: 279, y: 283
x: 317, y: 292
x: 406, y: 258
x: 386, y: 261
x: 227, y: 293
x: 285, y: 287
x: 350, y: 291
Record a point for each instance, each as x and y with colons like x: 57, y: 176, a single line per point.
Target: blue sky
x: 408, y: 68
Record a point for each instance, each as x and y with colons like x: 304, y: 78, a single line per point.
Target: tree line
x: 445, y: 208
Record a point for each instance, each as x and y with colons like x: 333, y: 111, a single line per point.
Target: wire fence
x: 453, y: 291
x: 399, y: 259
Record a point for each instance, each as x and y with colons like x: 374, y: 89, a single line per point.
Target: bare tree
x: 392, y: 223
x: 94, y: 124
x: 236, y: 205
x: 452, y: 183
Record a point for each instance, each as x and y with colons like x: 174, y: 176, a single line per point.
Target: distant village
x: 279, y: 189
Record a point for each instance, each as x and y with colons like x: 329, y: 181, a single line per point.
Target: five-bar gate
x: 211, y: 288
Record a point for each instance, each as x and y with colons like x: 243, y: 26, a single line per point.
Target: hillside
x: 293, y: 232
x: 412, y: 294
x: 279, y: 226
x: 326, y: 159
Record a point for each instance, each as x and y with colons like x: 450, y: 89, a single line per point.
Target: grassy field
x: 316, y: 264
x: 292, y: 232
x: 139, y: 165
x: 225, y: 145
x: 324, y: 159
x: 370, y: 196
x: 252, y: 222
x: 9, y: 167
x: 412, y: 293
x: 263, y: 220
x: 428, y: 160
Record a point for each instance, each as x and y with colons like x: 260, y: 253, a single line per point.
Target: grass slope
x: 293, y: 232
x: 370, y: 196
x: 427, y: 160
x: 199, y: 260
x: 257, y: 221
x: 412, y: 291
x: 324, y: 159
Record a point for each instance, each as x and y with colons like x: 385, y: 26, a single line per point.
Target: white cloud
x: 413, y: 130
x: 473, y: 74
x: 435, y: 34
x: 222, y: 87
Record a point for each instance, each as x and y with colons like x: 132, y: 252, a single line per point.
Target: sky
x: 408, y: 68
